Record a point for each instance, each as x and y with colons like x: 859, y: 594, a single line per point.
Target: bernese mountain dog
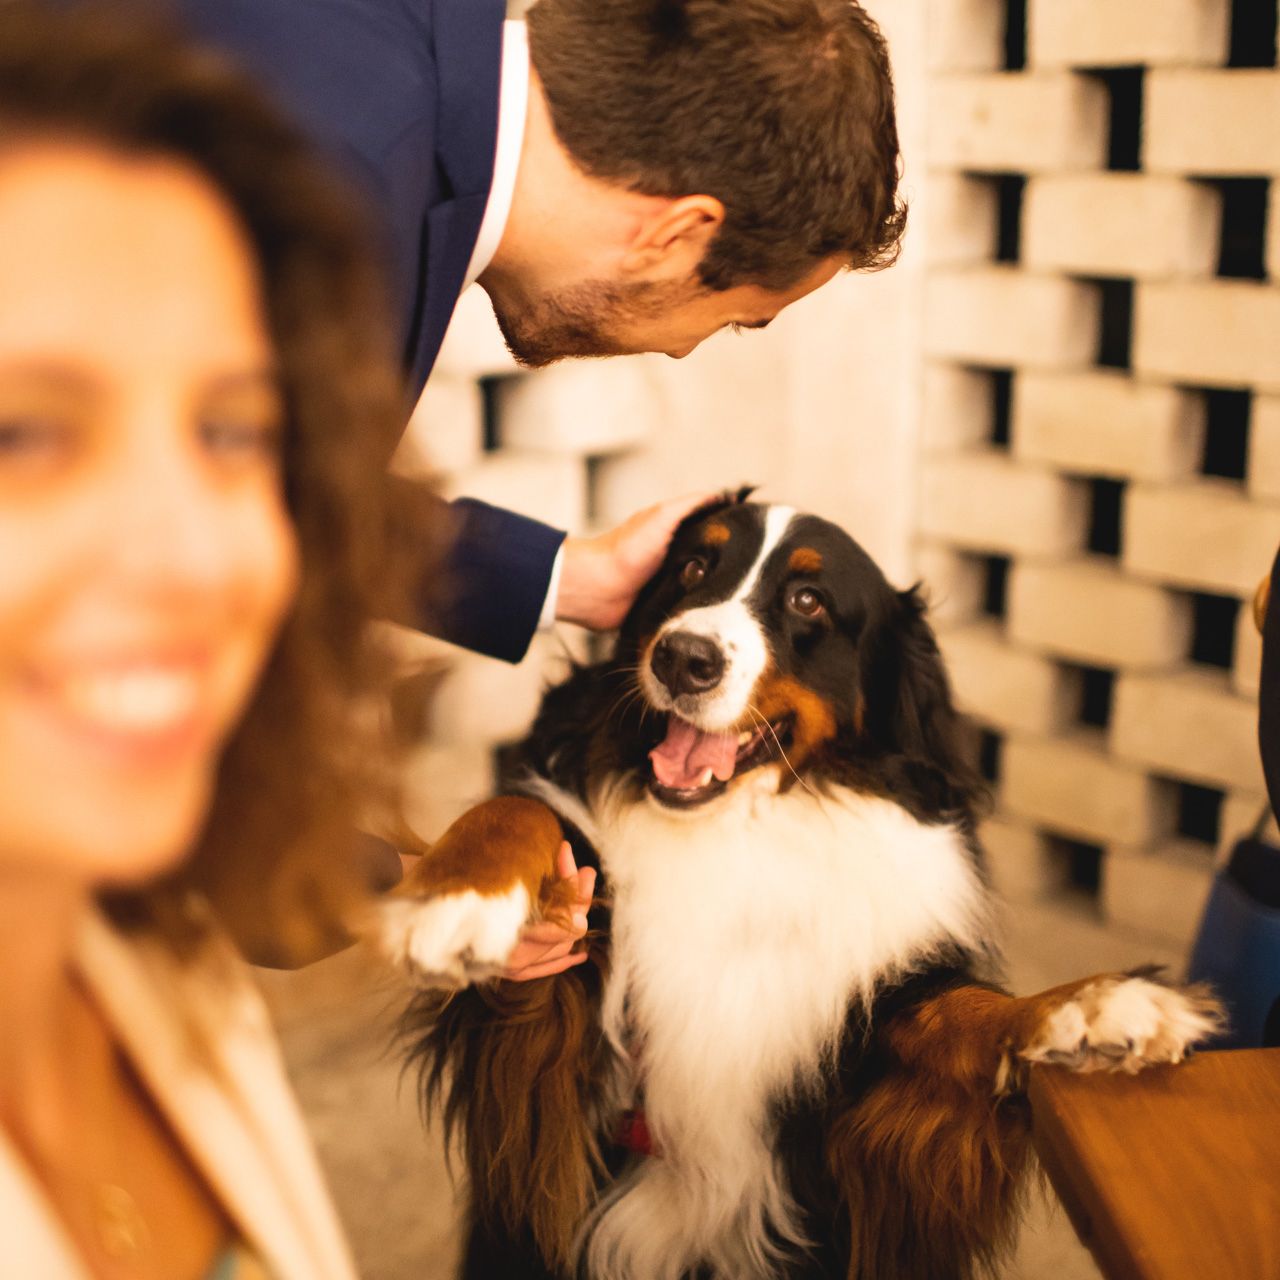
x: 787, y: 1058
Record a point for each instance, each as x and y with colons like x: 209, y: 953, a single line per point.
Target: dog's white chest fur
x: 741, y: 933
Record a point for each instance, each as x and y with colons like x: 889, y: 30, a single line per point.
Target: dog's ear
x: 721, y: 502
x: 910, y: 710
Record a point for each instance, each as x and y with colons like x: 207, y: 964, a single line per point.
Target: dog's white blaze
x: 739, y: 636
x: 739, y: 941
x: 460, y: 937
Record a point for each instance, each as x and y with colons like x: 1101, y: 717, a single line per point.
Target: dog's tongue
x: 686, y: 753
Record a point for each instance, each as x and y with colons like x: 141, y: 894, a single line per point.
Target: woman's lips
x: 148, y: 708
x: 145, y: 699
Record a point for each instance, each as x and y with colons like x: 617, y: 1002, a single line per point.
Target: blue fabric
x: 1238, y: 951
x: 404, y: 94
x: 496, y: 554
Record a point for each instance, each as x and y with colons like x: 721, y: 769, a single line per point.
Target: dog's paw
x: 1124, y: 1024
x: 456, y: 937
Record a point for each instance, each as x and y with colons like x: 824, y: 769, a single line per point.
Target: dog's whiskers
x: 756, y: 715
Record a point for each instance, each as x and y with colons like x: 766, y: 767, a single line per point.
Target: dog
x: 787, y: 1058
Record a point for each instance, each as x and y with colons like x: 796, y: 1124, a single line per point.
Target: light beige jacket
x: 200, y: 1038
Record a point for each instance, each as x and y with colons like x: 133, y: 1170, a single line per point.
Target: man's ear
x: 670, y: 242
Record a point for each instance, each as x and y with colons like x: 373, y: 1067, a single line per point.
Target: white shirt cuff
x: 553, y: 592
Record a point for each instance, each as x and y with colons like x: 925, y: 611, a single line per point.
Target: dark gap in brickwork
x: 990, y: 745
x: 1124, y: 118
x: 1083, y: 863
x: 1115, y: 323
x: 1106, y: 516
x: 1009, y: 191
x: 1015, y: 35
x: 995, y: 594
x: 1213, y: 630
x: 1226, y: 433
x: 1097, y: 685
x: 1242, y: 239
x: 489, y: 408
x: 1199, y: 812
x: 1253, y: 34
x: 592, y: 503
x: 1001, y: 407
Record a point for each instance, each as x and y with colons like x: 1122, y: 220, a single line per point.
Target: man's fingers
x: 644, y: 538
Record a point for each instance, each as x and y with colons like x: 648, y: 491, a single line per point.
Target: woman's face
x: 146, y: 555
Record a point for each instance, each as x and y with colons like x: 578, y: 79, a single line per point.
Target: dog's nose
x: 687, y: 663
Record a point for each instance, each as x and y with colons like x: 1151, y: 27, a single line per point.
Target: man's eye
x: 806, y: 602
x: 692, y: 574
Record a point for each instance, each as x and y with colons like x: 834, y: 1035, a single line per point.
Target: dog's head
x: 770, y: 637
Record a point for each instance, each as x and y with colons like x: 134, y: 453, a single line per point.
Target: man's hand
x: 548, y: 948
x: 601, y: 576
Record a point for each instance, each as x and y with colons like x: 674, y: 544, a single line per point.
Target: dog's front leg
x: 457, y: 916
x: 930, y: 1158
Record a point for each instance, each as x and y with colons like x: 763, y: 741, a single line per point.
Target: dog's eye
x: 806, y: 602
x: 692, y: 574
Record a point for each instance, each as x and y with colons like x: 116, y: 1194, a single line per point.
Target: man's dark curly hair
x: 781, y: 109
x: 276, y: 855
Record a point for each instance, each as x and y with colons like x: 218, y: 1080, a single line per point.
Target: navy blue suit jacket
x: 404, y: 95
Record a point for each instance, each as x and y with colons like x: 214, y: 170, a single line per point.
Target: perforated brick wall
x: 1100, y: 486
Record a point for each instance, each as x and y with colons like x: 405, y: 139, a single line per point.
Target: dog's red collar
x: 633, y: 1134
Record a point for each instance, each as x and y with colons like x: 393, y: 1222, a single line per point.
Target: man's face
x: 601, y: 318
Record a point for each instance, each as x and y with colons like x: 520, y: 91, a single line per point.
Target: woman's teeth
x: 140, y: 700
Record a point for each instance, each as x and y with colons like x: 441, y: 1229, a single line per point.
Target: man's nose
x: 687, y: 663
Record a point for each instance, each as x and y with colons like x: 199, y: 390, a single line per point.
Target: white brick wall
x: 1106, y: 424
x: 1225, y: 333
x: 1099, y: 33
x: 1015, y: 690
x: 1212, y: 122
x: 1028, y: 123
x: 1114, y: 684
x: 1207, y: 536
x: 1077, y: 788
x: 1120, y: 224
x: 997, y: 316
x: 989, y: 503
x: 1093, y: 614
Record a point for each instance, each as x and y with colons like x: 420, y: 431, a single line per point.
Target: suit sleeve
x: 494, y: 581
x: 477, y: 575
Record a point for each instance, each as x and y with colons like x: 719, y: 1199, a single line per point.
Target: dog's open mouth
x: 690, y: 766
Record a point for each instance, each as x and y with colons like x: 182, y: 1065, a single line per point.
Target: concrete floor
x: 389, y: 1177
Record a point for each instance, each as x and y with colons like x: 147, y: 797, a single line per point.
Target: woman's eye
x: 33, y: 441
x: 692, y: 574
x: 233, y: 442
x: 806, y: 602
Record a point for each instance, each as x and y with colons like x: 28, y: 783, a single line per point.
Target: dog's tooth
x: 744, y: 737
x: 705, y: 776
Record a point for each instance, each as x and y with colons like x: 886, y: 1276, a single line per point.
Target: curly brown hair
x: 276, y: 853
x: 781, y: 109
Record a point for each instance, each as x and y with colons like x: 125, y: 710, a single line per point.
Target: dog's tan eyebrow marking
x: 805, y: 560
x: 715, y: 535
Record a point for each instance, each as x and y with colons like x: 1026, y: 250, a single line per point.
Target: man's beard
x: 582, y: 320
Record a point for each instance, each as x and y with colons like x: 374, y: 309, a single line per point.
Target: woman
x: 196, y: 408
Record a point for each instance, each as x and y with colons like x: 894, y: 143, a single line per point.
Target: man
x: 628, y: 175
x: 618, y: 175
